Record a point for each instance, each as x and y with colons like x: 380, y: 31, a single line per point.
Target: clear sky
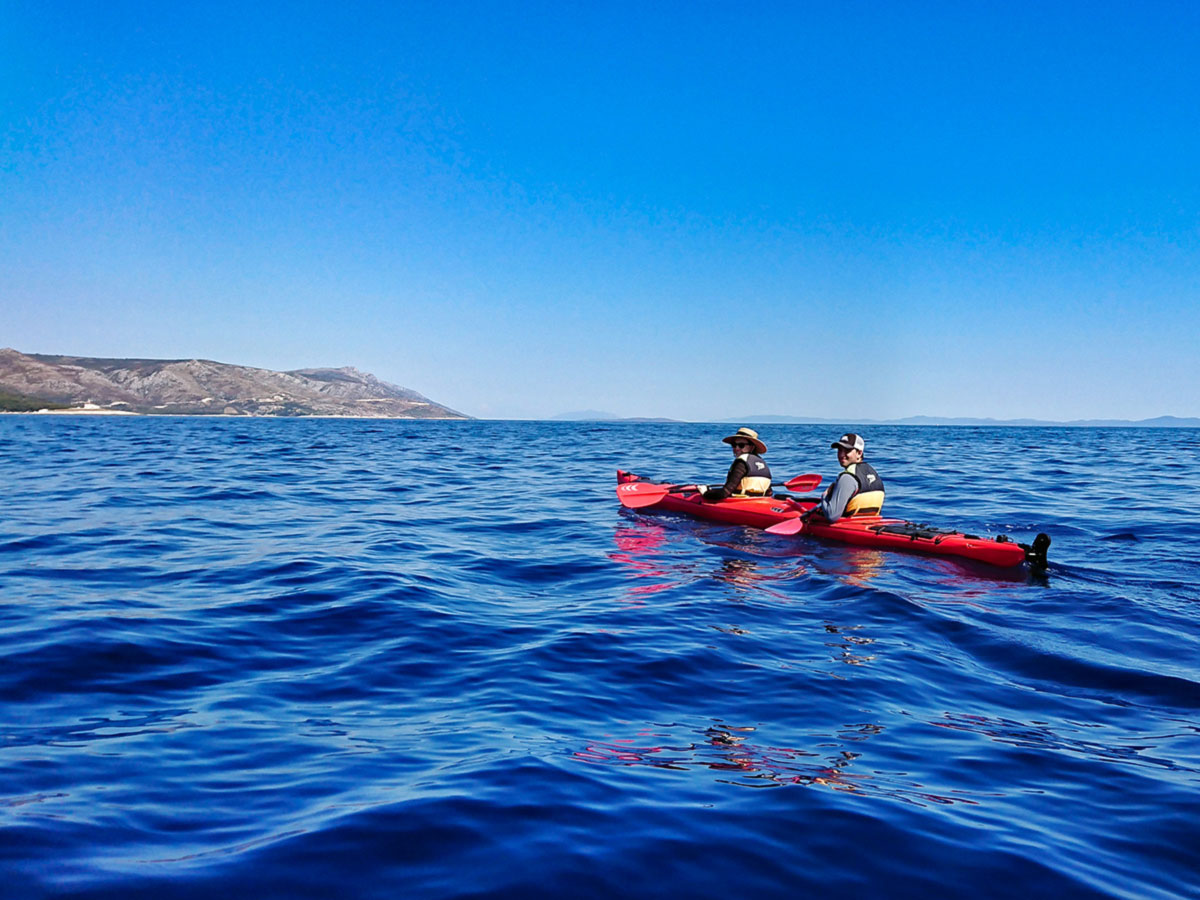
x: 695, y: 210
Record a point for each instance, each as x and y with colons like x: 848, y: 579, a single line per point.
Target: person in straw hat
x: 748, y: 474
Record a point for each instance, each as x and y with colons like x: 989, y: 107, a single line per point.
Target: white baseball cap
x: 849, y: 441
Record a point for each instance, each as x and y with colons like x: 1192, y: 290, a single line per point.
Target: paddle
x: 636, y: 494
x: 792, y: 526
x: 788, y: 526
x: 801, y: 483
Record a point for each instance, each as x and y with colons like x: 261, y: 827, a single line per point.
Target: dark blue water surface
x: 317, y: 658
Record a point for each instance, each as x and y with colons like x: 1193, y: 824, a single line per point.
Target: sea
x: 318, y: 658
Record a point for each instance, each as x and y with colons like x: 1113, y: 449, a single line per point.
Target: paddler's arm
x: 733, y: 480
x: 833, y: 504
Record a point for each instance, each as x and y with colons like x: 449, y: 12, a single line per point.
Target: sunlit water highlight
x: 377, y: 659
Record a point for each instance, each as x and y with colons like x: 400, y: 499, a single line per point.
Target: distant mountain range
x: 591, y: 415
x: 1159, y: 422
x: 201, y: 387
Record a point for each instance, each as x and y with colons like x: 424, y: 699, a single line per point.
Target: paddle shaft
x: 799, y: 483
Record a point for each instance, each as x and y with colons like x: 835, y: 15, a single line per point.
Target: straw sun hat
x: 747, y: 434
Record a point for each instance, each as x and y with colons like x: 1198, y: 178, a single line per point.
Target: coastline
x: 72, y: 412
x: 125, y: 412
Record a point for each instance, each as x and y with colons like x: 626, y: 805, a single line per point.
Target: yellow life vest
x: 754, y: 485
x: 868, y: 500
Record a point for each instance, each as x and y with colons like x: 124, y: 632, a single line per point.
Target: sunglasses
x: 739, y: 444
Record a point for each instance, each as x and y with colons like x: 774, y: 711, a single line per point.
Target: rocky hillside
x: 203, y: 387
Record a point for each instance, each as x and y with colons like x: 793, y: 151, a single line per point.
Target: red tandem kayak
x: 863, y: 531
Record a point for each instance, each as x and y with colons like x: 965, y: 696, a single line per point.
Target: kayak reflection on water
x: 638, y: 548
x: 725, y: 749
x: 739, y: 762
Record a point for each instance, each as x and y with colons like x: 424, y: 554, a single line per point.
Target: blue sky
x: 694, y: 210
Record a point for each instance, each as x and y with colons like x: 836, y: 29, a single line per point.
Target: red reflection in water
x: 726, y: 749
x: 640, y: 548
x: 858, y: 566
x: 637, y: 548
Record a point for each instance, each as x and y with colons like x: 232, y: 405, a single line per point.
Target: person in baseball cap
x: 858, y: 489
x: 849, y: 441
x: 748, y: 475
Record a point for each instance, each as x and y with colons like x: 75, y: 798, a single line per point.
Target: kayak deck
x: 862, y: 531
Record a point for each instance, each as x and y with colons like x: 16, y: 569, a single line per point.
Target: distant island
x: 1158, y: 422
x: 592, y: 415
x: 32, y: 382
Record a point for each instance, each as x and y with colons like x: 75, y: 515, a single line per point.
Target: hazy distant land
x: 91, y: 385
x: 78, y: 384
x: 1158, y: 422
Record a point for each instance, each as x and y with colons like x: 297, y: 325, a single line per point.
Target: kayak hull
x: 869, y: 531
x: 862, y: 531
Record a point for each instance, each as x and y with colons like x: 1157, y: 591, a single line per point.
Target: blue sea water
x: 350, y: 658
